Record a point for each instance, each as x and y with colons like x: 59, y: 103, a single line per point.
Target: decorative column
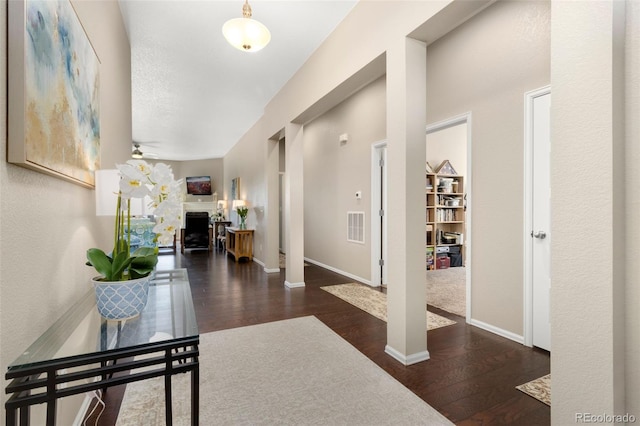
x: 406, y: 152
x: 294, y: 206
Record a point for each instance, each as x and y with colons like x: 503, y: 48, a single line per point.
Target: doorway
x: 378, y: 214
x: 449, y: 142
x: 537, y: 250
x: 281, y: 196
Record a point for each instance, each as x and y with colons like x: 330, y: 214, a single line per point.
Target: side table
x: 240, y: 243
x: 41, y: 376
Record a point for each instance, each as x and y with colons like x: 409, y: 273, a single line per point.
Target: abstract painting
x: 54, y: 112
x: 235, y: 189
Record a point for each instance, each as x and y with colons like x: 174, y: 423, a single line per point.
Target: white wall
x: 213, y: 167
x: 47, y: 224
x: 246, y: 161
x: 632, y: 178
x: 588, y: 221
x: 485, y: 66
x: 334, y: 172
x: 448, y: 144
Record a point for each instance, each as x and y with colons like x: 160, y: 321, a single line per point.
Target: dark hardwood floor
x: 470, y: 378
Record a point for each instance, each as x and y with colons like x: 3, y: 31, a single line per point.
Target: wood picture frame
x: 54, y: 92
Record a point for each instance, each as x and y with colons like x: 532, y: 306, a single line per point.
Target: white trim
x: 441, y: 125
x: 529, y: 97
x: 294, y: 285
x: 407, y: 359
x: 267, y: 270
x: 375, y: 231
x: 338, y: 271
x: 496, y: 330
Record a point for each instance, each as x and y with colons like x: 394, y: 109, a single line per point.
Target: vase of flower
x: 122, y: 289
x: 242, y: 212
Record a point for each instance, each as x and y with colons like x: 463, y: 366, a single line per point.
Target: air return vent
x: 355, y: 227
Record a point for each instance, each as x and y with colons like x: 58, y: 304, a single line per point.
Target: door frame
x: 441, y: 125
x: 529, y: 98
x: 377, y: 237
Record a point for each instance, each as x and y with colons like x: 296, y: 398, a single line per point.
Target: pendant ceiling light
x: 245, y: 33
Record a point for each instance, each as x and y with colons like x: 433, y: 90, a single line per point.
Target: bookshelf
x: 445, y: 220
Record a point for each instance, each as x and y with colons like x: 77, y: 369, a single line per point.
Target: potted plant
x: 242, y: 212
x: 123, y: 284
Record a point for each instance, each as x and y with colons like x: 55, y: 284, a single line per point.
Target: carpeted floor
x: 447, y: 290
x: 374, y: 302
x: 539, y: 388
x: 291, y: 372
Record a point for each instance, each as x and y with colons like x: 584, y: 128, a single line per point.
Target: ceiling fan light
x: 246, y: 34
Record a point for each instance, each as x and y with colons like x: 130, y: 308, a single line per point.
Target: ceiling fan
x: 138, y: 154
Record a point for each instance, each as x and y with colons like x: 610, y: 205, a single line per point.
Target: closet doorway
x: 378, y: 214
x: 448, y: 214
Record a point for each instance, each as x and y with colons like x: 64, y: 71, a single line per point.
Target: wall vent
x: 355, y: 227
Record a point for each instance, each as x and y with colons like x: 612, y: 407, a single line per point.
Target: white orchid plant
x: 139, y: 179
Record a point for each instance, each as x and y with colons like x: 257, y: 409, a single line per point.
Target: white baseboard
x: 338, y: 271
x: 496, y: 330
x: 267, y: 270
x: 294, y: 285
x: 407, y: 359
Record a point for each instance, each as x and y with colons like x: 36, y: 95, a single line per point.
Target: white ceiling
x: 193, y: 95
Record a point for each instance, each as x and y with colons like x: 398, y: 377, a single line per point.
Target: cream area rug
x: 374, y: 302
x: 283, y: 261
x: 291, y: 372
x: 447, y: 290
x: 539, y: 388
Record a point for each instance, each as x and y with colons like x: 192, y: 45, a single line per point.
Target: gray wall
x: 47, y: 224
x: 485, y: 67
x: 334, y: 172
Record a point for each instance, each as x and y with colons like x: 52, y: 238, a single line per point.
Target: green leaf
x: 121, y: 261
x: 144, y: 251
x: 101, y: 262
x: 141, y: 266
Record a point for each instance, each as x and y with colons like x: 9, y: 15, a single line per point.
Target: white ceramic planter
x: 119, y: 300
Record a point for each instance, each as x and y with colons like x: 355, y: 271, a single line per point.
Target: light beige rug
x: 447, y: 290
x: 539, y: 388
x: 283, y: 261
x: 374, y: 302
x: 291, y: 372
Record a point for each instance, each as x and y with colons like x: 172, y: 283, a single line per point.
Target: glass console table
x: 163, y: 339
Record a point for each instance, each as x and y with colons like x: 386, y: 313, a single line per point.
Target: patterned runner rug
x: 374, y: 302
x: 539, y: 388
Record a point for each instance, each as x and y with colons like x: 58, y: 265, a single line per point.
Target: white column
x: 294, y: 206
x: 587, y: 206
x: 272, y: 237
x: 406, y: 124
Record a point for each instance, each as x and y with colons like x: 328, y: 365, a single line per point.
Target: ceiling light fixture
x: 136, y: 152
x: 244, y: 33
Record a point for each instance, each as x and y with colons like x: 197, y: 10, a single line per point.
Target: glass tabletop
x: 169, y: 315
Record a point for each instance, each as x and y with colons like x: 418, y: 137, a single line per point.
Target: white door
x: 378, y: 214
x: 541, y: 212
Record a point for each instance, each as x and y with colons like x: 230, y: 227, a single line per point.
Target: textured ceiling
x: 193, y: 95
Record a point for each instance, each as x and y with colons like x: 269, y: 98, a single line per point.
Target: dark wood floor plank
x: 470, y: 377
